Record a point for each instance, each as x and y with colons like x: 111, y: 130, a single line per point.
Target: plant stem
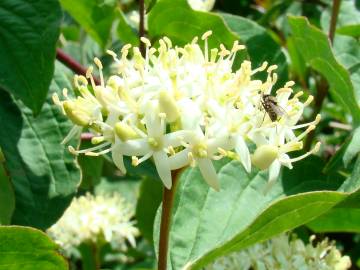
x: 167, y: 204
x: 72, y: 64
x: 142, y: 26
x: 322, y: 85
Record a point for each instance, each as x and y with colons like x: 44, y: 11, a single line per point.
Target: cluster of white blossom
x: 95, y: 219
x: 282, y: 253
x: 186, y: 106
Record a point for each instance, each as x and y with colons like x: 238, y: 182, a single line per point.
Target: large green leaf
x: 7, y: 197
x: 29, y: 32
x: 349, y: 30
x: 96, y: 17
x: 315, y: 48
x: 28, y: 249
x: 208, y: 224
x: 43, y: 173
x: 348, y: 211
x: 261, y: 47
x: 176, y: 20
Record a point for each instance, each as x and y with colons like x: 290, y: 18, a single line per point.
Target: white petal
x: 163, y: 167
x: 243, y: 151
x: 274, y: 171
x: 179, y: 160
x: 138, y: 147
x: 208, y: 172
x: 118, y: 158
x: 152, y: 120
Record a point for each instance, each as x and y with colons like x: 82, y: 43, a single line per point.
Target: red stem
x: 71, y: 63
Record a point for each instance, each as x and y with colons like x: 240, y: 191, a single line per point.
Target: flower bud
x: 168, y: 106
x: 77, y: 117
x: 264, y: 156
x: 124, y: 131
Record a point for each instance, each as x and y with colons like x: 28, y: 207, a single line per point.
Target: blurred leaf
x: 149, y: 4
x: 125, y: 32
x: 91, y: 168
x: 7, y: 197
x: 298, y: 65
x: 127, y: 187
x: 148, y: 203
x: 43, y: 173
x: 354, y: 147
x: 29, y: 32
x: 176, y: 20
x: 349, y: 30
x: 348, y: 15
x: 27, y: 248
x: 315, y: 48
x: 209, y: 224
x: 336, y: 161
x: 94, y: 16
x: 261, y: 47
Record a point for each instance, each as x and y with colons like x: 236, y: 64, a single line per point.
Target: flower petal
x: 163, y: 167
x: 208, y: 172
x: 243, y: 151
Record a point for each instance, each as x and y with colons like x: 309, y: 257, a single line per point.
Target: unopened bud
x: 168, y: 106
x: 124, y: 131
x: 264, y: 156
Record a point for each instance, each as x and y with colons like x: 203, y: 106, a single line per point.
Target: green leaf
x: 353, y: 148
x: 315, y: 48
x: 176, y: 20
x: 209, y: 224
x: 261, y: 47
x: 125, y: 32
x: 91, y: 168
x: 7, y: 197
x: 27, y: 248
x: 349, y: 30
x: 29, y: 32
x: 348, y: 211
x: 148, y: 203
x: 96, y: 17
x: 43, y: 173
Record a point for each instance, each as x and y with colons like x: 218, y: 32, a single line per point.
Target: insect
x: 271, y: 107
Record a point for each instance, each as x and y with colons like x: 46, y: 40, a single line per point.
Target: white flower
x: 282, y: 253
x: 185, y: 106
x: 202, y: 5
x: 95, y: 219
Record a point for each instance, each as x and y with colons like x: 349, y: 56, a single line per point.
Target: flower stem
x: 167, y: 204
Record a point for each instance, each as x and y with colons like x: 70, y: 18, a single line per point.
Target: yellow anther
x: 134, y: 161
x: 206, y: 35
x: 56, y: 99
x: 65, y: 92
x: 145, y: 41
x: 112, y: 53
x: 98, y: 63
x: 89, y: 72
x: 168, y: 42
x: 289, y: 84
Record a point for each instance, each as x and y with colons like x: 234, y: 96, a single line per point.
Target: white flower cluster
x: 281, y: 253
x: 186, y: 106
x: 95, y: 219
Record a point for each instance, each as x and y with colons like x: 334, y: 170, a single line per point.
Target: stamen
x: 100, y: 66
x: 302, y: 135
x: 74, y: 132
x: 308, y: 101
x: 168, y: 42
x: 56, y: 99
x: 298, y: 94
x: 94, y: 154
x: 261, y: 68
x: 146, y: 41
x: 192, y: 161
x: 195, y: 40
x: 65, y: 92
x: 112, y: 53
x: 146, y: 157
x: 134, y: 161
x: 89, y: 76
x: 91, y: 149
x: 315, y: 122
x: 289, y: 84
x: 206, y: 35
x: 312, y: 151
